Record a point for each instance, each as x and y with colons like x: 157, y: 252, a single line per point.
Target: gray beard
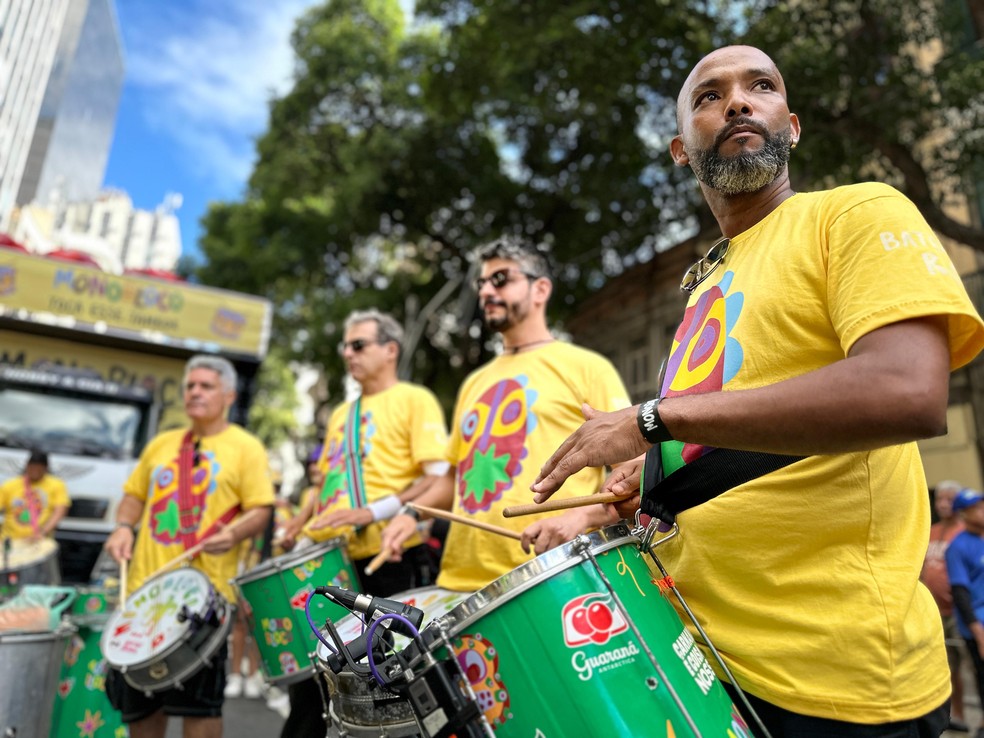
x: 748, y: 171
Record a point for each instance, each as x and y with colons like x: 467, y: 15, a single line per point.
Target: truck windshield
x: 70, y: 425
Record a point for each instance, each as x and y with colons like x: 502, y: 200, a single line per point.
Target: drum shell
x: 81, y: 691
x: 546, y: 648
x: 273, y: 595
x: 29, y: 668
x: 40, y: 569
x: 362, y: 709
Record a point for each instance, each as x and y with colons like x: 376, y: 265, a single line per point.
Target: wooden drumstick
x: 454, y: 518
x: 550, y: 505
x: 378, y: 560
x: 122, y: 596
x: 197, y: 548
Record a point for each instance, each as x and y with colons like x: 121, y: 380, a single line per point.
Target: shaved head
x: 703, y: 73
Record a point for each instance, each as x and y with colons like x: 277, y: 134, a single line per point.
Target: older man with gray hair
x: 381, y: 450
x: 188, y: 487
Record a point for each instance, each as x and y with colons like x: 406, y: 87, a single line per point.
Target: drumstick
x: 197, y: 548
x: 122, y: 596
x: 444, y: 514
x: 378, y: 560
x: 551, y: 505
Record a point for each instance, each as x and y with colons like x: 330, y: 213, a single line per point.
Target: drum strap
x: 189, y: 513
x: 353, y: 455
x: 32, y: 501
x: 703, y: 479
x: 188, y: 522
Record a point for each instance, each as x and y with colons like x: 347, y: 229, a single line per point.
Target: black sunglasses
x: 358, y: 344
x: 500, y: 278
x: 703, y: 268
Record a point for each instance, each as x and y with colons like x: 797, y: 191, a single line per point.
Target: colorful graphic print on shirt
x: 493, y: 434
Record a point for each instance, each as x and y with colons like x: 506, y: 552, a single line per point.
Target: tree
x: 885, y: 90
x: 399, y: 150
x: 271, y: 415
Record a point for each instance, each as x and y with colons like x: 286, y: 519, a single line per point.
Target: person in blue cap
x: 965, y: 567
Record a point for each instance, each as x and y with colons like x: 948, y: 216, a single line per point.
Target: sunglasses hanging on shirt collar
x: 702, y: 269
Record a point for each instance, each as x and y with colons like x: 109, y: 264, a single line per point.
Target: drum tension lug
x: 581, y: 543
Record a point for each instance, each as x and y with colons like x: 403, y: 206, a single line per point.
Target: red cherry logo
x: 600, y: 617
x: 580, y: 622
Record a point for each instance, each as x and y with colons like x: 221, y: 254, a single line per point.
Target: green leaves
x: 399, y: 148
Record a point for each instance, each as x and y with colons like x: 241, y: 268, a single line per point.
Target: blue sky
x: 199, y: 76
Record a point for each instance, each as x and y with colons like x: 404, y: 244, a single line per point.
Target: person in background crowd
x: 965, y: 566
x: 935, y: 577
x: 34, y: 503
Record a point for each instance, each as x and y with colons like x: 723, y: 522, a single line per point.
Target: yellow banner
x: 156, y: 311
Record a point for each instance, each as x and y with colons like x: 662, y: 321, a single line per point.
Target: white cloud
x: 206, y: 70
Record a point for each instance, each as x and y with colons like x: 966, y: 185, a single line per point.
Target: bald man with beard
x: 834, y: 319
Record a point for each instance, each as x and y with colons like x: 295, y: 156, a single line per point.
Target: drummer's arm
x: 119, y: 545
x: 57, y: 513
x: 434, y: 472
x: 251, y: 523
x: 439, y: 493
x: 559, y: 529
x: 289, y: 531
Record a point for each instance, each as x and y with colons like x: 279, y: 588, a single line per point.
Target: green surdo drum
x: 582, y: 641
x: 273, y: 595
x: 82, y: 709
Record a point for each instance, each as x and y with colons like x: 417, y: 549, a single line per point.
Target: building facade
x: 29, y: 38
x: 70, y: 148
x: 109, y: 229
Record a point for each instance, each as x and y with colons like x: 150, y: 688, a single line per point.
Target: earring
x: 793, y: 145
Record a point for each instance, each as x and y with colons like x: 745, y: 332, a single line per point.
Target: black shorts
x: 201, y: 695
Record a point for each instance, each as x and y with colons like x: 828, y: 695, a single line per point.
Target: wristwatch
x: 411, y: 511
x: 131, y: 526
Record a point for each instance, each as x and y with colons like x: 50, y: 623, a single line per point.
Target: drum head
x: 148, y: 623
x: 24, y: 553
x: 293, y: 558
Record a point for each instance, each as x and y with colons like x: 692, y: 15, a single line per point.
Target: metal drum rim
x: 169, y: 650
x: 63, y: 630
x: 526, y: 576
x: 280, y: 563
x: 205, y: 653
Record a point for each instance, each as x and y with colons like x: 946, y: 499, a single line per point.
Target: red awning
x: 156, y: 274
x: 7, y: 242
x: 79, y: 257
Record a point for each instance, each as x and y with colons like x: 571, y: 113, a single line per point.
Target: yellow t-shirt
x: 807, y: 579
x: 25, y: 513
x: 402, y: 428
x: 510, y: 416
x: 232, y: 472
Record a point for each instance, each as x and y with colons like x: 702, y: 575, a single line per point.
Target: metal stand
x: 646, y: 535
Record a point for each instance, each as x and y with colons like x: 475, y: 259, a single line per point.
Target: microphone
x: 373, y: 607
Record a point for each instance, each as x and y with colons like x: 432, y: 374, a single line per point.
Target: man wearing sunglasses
x: 509, y: 414
x: 380, y: 451
x: 821, y: 334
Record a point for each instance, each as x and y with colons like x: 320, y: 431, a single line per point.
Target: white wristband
x: 384, y: 508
